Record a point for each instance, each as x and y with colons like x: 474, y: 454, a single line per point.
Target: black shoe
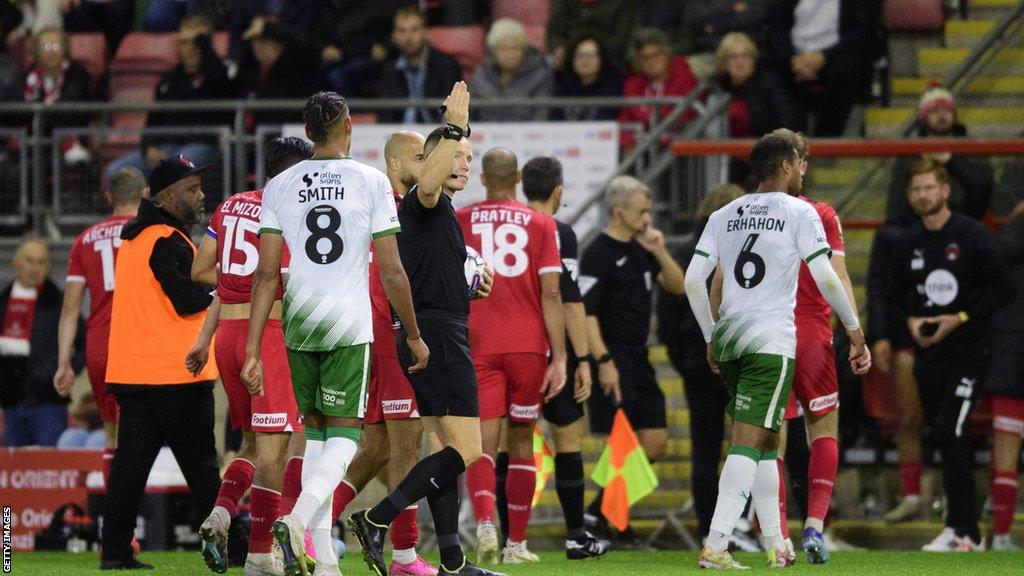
x: 596, y: 525
x: 371, y: 539
x: 586, y: 547
x: 467, y: 570
x: 129, y: 564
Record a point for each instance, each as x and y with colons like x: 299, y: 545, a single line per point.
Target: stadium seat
x: 537, y: 36
x: 913, y: 15
x: 145, y: 53
x: 90, y: 49
x: 529, y: 12
x: 467, y: 43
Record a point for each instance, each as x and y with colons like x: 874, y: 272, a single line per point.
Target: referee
x: 156, y: 315
x: 617, y: 275
x: 433, y: 252
x: 950, y: 278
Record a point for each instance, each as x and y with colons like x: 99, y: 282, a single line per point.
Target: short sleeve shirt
x: 328, y: 210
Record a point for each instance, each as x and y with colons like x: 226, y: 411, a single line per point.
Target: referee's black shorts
x: 642, y: 398
x: 447, y: 386
x: 563, y: 409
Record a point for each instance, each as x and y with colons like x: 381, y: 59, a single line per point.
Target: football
x: 474, y: 268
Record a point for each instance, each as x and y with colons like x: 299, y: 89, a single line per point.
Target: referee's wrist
x: 584, y: 359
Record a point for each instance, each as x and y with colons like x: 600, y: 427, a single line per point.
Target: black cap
x: 169, y: 171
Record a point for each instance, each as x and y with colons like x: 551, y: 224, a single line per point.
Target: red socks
x: 910, y: 477
x: 520, y: 485
x: 1004, y: 500
x: 783, y: 520
x: 404, y: 531
x: 264, y: 508
x: 480, y: 484
x: 236, y: 482
x: 108, y: 459
x: 292, y: 484
x: 343, y: 494
x: 821, y: 476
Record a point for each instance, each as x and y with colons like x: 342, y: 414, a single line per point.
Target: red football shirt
x: 384, y: 325
x: 813, y: 314
x: 91, y: 261
x: 520, y: 244
x: 235, y: 226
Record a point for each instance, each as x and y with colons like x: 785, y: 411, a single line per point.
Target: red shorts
x: 96, y: 367
x: 510, y: 384
x: 391, y: 396
x: 275, y: 411
x: 815, y: 384
x: 1008, y: 415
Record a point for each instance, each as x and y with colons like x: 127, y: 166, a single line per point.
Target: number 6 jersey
x: 328, y: 210
x: 760, y: 239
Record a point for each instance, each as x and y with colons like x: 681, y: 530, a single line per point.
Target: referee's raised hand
x: 456, y: 105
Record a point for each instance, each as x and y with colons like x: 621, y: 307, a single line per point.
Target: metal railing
x: 40, y: 177
x: 14, y: 194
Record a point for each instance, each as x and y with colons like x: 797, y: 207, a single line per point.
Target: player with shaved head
x: 514, y: 374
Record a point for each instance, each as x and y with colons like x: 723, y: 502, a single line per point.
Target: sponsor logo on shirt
x: 519, y: 411
x: 941, y: 287
x: 396, y: 406
x: 823, y: 402
x: 271, y: 420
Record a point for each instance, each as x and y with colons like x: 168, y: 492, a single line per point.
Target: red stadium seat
x: 529, y: 12
x: 90, y: 49
x: 145, y: 53
x: 913, y: 15
x: 537, y: 36
x: 467, y: 43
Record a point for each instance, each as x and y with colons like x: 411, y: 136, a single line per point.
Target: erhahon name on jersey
x: 759, y: 240
x: 328, y: 211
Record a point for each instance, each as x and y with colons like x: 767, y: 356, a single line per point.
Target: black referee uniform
x: 956, y: 269
x: 563, y: 409
x: 616, y: 279
x: 433, y: 252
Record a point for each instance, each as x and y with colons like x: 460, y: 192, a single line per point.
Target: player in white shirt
x: 327, y: 209
x: 758, y: 240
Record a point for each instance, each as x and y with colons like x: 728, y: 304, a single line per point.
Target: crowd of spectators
x: 816, y: 56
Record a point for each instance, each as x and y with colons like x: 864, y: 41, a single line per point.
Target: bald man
x: 392, y: 431
x: 514, y: 375
x: 34, y: 413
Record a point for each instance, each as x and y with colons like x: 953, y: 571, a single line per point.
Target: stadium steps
x: 987, y: 122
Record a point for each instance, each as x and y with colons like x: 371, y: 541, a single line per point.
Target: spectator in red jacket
x: 656, y: 74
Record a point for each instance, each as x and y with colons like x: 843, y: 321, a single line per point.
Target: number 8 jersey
x: 759, y: 240
x: 328, y: 210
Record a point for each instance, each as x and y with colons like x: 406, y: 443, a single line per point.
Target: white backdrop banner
x: 588, y: 151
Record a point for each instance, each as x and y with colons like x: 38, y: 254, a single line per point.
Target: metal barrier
x: 42, y: 184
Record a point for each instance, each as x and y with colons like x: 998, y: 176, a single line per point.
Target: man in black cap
x: 156, y: 314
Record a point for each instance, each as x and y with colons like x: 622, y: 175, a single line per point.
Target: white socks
x: 765, y: 497
x: 733, y: 490
x: 404, y: 556
x: 325, y: 471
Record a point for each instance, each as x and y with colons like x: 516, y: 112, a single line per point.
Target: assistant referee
x: 156, y: 314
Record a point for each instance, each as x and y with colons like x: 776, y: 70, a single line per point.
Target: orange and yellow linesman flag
x: 624, y: 471
x: 544, y: 459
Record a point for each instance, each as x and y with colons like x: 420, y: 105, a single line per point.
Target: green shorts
x: 758, y: 386
x: 333, y: 383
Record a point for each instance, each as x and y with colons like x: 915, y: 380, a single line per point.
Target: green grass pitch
x: 615, y: 564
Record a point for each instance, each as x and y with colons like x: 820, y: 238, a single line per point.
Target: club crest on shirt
x: 953, y: 252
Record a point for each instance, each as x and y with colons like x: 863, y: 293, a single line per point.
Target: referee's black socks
x: 444, y: 507
x: 430, y: 475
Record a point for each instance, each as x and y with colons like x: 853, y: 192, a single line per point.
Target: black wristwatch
x: 453, y: 132
x: 584, y: 359
x: 604, y: 358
